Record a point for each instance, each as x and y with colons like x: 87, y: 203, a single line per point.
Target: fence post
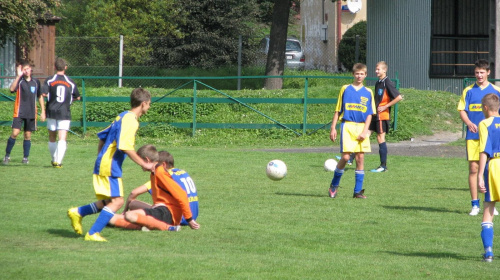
x: 304, y: 121
x: 194, y: 107
x: 120, y: 66
x: 240, y: 49
x: 84, y: 108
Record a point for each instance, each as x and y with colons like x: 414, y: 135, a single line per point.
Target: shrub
x: 347, y: 47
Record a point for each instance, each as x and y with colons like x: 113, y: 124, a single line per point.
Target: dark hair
x: 148, y: 151
x: 60, y: 64
x: 24, y: 62
x: 138, y: 96
x: 164, y: 156
x: 482, y: 64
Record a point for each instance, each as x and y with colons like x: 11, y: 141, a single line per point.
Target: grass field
x: 413, y: 225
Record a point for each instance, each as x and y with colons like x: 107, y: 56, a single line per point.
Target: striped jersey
x: 61, y: 91
x: 489, y: 136
x: 27, y: 92
x: 355, y: 105
x: 117, y: 138
x: 470, y: 102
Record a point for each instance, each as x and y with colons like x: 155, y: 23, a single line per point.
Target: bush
x: 347, y: 47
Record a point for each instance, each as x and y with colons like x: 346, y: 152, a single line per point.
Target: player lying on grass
x: 180, y: 176
x: 170, y: 200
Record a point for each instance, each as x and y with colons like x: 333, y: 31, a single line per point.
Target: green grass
x: 413, y: 225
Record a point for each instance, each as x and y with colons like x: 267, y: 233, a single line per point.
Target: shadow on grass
x: 63, y: 233
x: 436, y: 255
x: 420, y: 208
x: 300, y: 194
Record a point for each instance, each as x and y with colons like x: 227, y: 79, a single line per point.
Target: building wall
x: 319, y: 22
x: 399, y: 33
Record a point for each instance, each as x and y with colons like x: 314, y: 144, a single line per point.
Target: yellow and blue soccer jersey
x: 489, y: 143
x: 183, y: 179
x: 471, y: 104
x: 355, y: 105
x: 117, y: 138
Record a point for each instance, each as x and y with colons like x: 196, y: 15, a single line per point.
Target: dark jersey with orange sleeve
x: 385, y: 92
x: 61, y: 91
x: 27, y: 92
x: 165, y: 191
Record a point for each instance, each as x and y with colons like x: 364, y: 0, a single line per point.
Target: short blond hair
x: 491, y: 101
x: 359, y: 67
x: 383, y: 64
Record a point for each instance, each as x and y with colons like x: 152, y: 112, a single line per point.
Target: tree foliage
x: 347, y: 46
x: 19, y: 19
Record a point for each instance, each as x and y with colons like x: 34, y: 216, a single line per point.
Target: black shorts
x: 29, y: 124
x: 380, y: 126
x: 160, y: 213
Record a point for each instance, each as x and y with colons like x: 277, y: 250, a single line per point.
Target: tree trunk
x: 277, y: 44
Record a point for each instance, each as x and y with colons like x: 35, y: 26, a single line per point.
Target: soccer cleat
x: 76, y: 220
x: 25, y: 161
x: 379, y: 169
x: 359, y: 194
x: 487, y: 258
x: 495, y: 212
x: 174, y: 228
x: 53, y: 163
x: 95, y: 237
x: 332, y: 191
x: 56, y: 165
x: 144, y: 228
x: 6, y: 160
x: 474, y: 211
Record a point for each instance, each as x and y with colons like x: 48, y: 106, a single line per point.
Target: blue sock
x: 102, y: 220
x: 487, y: 237
x: 337, y: 175
x: 383, y: 154
x: 475, y: 203
x: 359, y: 175
x: 88, y: 209
x: 26, y: 148
x: 10, y: 144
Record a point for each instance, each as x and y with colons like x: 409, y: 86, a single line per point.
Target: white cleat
x: 474, y: 211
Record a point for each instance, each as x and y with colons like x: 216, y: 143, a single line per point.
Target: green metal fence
x: 195, y: 82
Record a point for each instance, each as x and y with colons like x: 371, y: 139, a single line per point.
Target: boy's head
x: 167, y: 158
x: 490, y: 104
x: 482, y: 71
x: 25, y: 67
x: 138, y: 96
x: 381, y: 69
x: 148, y: 153
x: 60, y: 64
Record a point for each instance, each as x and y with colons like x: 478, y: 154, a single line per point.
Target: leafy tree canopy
x: 18, y: 19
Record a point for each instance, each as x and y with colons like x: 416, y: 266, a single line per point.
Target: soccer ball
x: 330, y: 165
x: 276, y: 170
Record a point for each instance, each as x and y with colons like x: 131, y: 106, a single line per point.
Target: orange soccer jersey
x: 165, y: 191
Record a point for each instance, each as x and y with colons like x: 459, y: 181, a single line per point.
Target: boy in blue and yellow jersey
x: 471, y: 114
x: 355, y: 108
x: 27, y: 90
x: 488, y: 179
x: 116, y: 142
x: 180, y: 178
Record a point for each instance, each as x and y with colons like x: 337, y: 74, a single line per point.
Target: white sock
x: 61, y: 149
x: 52, y: 150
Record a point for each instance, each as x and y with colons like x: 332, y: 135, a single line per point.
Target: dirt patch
x: 425, y: 146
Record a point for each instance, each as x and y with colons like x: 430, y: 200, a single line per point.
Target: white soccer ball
x: 330, y: 165
x: 276, y: 170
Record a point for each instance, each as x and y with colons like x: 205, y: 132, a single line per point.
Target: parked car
x: 295, y: 58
